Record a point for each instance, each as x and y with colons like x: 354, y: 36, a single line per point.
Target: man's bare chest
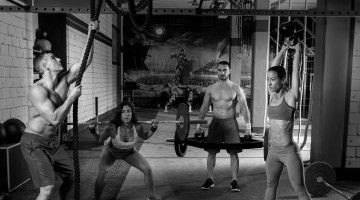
x: 223, y: 93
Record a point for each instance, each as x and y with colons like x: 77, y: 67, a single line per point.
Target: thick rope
x: 115, y: 8
x: 94, y: 16
x: 92, y: 9
x: 141, y: 5
x: 132, y: 11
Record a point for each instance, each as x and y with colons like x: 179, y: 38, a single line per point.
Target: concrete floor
x: 181, y: 178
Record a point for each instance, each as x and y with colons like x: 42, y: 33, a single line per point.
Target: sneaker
x: 234, y: 186
x: 209, y: 183
x: 154, y: 197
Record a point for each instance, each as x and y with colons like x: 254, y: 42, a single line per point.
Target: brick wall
x: 99, y: 79
x: 353, y: 143
x: 16, y: 73
x: 16, y: 42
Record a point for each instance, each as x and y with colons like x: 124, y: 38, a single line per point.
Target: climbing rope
x: 114, y: 8
x: 309, y: 118
x: 94, y: 16
x: 133, y: 9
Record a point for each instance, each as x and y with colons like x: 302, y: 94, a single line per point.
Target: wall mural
x: 175, y: 61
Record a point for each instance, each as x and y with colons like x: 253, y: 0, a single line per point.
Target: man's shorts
x: 44, y: 159
x: 110, y: 153
x: 223, y: 131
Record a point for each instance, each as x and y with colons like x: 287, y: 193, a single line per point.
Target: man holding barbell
x: 122, y: 134
x: 51, y: 105
x: 229, y: 101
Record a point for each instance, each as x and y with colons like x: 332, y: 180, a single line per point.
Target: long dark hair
x: 117, y: 117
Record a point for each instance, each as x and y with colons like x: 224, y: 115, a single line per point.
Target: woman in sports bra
x: 282, y: 149
x: 121, y: 136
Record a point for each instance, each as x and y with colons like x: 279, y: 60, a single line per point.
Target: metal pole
x: 321, y: 180
x: 96, y: 109
x: 303, y: 82
x: 278, y: 25
x: 97, y: 113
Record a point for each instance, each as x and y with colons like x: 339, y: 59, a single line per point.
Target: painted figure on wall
x: 180, y: 64
x: 183, y: 68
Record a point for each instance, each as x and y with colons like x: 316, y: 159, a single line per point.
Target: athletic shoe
x: 234, y: 186
x: 209, y: 183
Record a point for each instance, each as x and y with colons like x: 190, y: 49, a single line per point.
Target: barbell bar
x: 320, y: 178
x: 182, y: 123
x: 177, y: 121
x: 147, y: 122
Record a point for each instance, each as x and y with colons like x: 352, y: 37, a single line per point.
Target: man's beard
x: 223, y: 78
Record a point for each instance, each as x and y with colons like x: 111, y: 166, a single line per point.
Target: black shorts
x: 45, y: 159
x: 223, y: 131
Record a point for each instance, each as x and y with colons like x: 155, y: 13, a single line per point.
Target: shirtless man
x: 51, y: 106
x: 229, y: 101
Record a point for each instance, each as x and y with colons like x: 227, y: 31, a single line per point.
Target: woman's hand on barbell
x: 154, y: 125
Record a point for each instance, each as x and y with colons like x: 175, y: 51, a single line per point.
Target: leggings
x: 290, y: 157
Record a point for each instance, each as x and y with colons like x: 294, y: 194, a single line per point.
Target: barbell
x: 320, y: 178
x: 144, y: 122
x: 182, y: 122
x: 181, y: 140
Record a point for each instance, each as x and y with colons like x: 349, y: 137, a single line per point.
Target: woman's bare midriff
x: 280, y: 132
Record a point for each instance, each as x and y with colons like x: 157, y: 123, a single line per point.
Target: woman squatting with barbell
x: 119, y: 138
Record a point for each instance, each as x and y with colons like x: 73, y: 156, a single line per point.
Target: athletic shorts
x: 45, y: 159
x: 281, y: 153
x: 223, y: 131
x: 110, y: 153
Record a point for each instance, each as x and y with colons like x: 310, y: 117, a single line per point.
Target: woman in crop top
x: 122, y: 135
x: 282, y: 149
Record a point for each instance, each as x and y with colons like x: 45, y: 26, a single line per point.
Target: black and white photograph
x: 179, y: 99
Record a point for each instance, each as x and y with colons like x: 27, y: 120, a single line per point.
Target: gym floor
x: 179, y: 178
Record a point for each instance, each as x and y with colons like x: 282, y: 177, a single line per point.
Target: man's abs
x: 223, y: 102
x: 223, y: 109
x: 40, y: 126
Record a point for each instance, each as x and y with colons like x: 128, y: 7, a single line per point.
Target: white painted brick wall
x: 351, y: 152
x: 99, y: 80
x: 105, y: 22
x: 16, y: 42
x: 5, y: 3
x: 353, y: 143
